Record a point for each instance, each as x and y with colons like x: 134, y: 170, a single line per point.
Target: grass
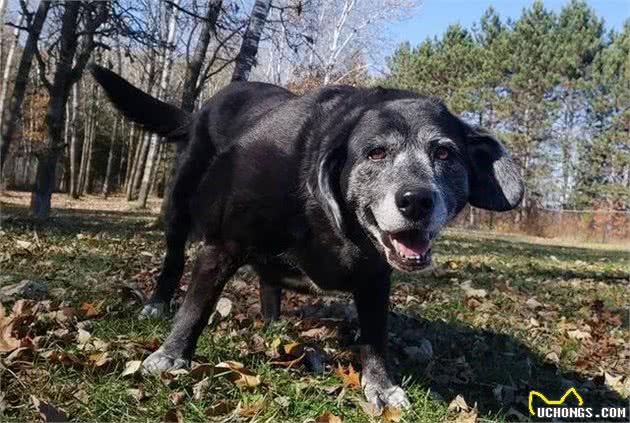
x: 503, y: 314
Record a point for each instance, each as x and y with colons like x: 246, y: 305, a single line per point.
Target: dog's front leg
x: 372, y: 301
x: 213, y: 268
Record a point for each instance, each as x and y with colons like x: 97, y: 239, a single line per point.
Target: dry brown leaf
x: 239, y: 374
x: 319, y: 333
x: 48, y: 412
x: 249, y: 409
x: 578, y: 334
x: 173, y: 416
x: 460, y: 412
x: 349, y: 376
x: 201, y: 388
x: 370, y: 409
x: 7, y: 341
x: 219, y: 409
x: 289, y: 363
x: 466, y: 286
x: 328, y: 417
x: 89, y: 309
x: 100, y: 360
x: 293, y: 348
x: 61, y: 357
x: 391, y: 414
x: 176, y: 397
x: 132, y: 367
x: 202, y: 370
x: 137, y: 393
x: 23, y: 307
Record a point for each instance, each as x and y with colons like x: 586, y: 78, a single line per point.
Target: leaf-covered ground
x: 499, y: 316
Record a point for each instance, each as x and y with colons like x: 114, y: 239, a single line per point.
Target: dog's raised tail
x: 152, y: 114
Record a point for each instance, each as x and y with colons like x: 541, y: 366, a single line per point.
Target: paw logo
x: 532, y: 394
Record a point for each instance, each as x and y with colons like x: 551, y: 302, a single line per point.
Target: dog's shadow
x: 495, y: 371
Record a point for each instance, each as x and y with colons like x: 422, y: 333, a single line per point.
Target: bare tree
x: 246, y: 58
x: 13, y: 115
x: 6, y: 76
x: 208, y: 32
x: 152, y: 155
x: 65, y: 76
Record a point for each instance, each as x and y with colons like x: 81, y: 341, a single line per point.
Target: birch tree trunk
x: 14, y: 112
x: 193, y: 69
x: 110, y: 160
x: 191, y: 90
x: 74, y: 142
x: 246, y: 58
x: 152, y: 155
x: 8, y: 66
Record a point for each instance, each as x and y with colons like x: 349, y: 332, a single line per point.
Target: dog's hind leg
x: 170, y: 273
x: 212, y: 269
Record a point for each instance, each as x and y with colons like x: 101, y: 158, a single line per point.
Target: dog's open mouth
x: 408, y: 250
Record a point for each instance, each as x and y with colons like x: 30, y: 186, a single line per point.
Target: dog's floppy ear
x: 325, y: 186
x: 154, y: 115
x: 495, y: 182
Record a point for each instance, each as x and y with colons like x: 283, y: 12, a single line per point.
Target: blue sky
x: 433, y: 16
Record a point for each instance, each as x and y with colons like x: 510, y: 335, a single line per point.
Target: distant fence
x: 585, y: 225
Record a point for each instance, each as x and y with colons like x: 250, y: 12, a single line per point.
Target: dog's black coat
x: 282, y: 182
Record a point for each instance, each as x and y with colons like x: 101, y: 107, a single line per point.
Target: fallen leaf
x: 349, y: 376
x: 24, y: 245
x: 7, y: 341
x: 137, y: 393
x: 132, y: 367
x: 617, y: 384
x: 328, y: 417
x: 48, y: 412
x: 176, y: 397
x: 61, y: 357
x: 201, y: 388
x: 391, y: 414
x: 219, y: 409
x: 370, y: 409
x: 173, y: 416
x: 202, y: 370
x: 466, y: 286
x: 578, y: 334
x: 289, y: 363
x: 459, y: 412
x: 249, y: 409
x: 533, y: 303
x: 224, y: 307
x: 239, y: 374
x: 293, y: 348
x: 319, y: 333
x: 83, y: 336
x: 89, y: 309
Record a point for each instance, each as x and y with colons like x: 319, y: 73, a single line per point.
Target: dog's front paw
x: 381, y: 395
x: 155, y: 310
x: 160, y: 361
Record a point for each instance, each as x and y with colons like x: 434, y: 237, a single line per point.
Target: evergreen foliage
x: 554, y: 86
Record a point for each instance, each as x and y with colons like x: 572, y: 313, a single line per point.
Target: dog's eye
x: 442, y: 153
x: 377, y: 153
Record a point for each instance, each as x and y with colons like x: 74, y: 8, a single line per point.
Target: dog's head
x: 405, y: 169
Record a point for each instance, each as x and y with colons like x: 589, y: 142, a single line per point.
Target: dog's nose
x: 415, y: 203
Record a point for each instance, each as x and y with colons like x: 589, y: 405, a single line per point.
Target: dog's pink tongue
x: 411, y: 246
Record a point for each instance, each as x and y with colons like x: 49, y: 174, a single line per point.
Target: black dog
x: 330, y: 190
